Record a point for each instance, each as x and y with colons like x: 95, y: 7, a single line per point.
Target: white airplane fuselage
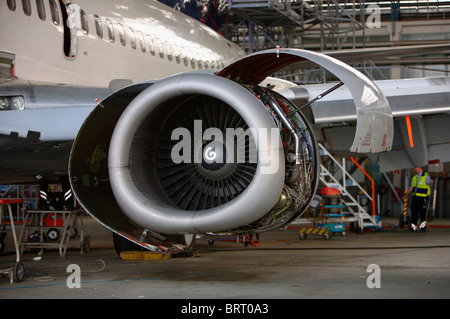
x: 59, y: 57
x: 136, y: 40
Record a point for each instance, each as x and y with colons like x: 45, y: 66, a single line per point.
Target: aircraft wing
x: 418, y: 106
x: 421, y: 112
x: 395, y: 52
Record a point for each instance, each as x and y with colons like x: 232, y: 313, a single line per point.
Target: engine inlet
x: 208, y: 173
x: 189, y: 153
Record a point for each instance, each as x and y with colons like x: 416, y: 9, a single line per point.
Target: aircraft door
x: 71, y: 23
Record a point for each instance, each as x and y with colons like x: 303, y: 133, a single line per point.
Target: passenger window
x: 142, y: 42
x: 54, y: 12
x: 84, y: 22
x: 160, y: 48
x: 132, y: 38
x: 184, y: 57
x: 176, y: 53
x: 98, y: 26
x: 26, y: 7
x: 191, y: 56
x: 110, y: 29
x: 122, y: 38
x: 168, y: 50
x: 40, y: 9
x: 151, y: 45
x: 11, y: 4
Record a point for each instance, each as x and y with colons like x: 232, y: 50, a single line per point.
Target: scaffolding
x: 329, y: 25
x: 265, y: 24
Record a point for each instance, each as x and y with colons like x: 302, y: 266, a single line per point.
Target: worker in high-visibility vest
x: 421, y: 191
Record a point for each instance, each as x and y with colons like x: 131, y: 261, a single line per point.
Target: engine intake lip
x: 143, y: 201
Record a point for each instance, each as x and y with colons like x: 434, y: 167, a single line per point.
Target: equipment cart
x: 335, y: 224
x: 317, y: 214
x: 324, y: 222
x: 16, y: 273
x: 53, y: 229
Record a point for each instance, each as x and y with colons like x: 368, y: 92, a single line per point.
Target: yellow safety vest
x: 421, y: 188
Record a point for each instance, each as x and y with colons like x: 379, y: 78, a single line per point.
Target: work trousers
x: 419, y: 208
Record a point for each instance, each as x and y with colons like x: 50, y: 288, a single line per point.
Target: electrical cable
x: 44, y: 278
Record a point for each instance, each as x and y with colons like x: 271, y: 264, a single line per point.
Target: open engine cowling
x: 200, y: 152
x: 133, y: 171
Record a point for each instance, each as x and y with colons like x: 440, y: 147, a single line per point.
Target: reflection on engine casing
x: 140, y: 162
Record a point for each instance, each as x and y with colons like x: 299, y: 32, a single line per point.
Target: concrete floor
x: 412, y: 265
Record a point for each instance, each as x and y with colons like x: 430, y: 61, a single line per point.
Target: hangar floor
x: 412, y: 265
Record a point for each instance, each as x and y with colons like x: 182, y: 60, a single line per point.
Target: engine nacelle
x: 201, y: 152
x: 193, y: 153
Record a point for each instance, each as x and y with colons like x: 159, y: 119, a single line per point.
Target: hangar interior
x: 332, y: 25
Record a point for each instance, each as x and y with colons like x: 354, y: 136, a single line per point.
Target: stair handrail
x: 371, y: 180
x: 345, y: 173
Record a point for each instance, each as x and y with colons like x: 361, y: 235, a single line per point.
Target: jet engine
x: 198, y: 152
x: 194, y: 153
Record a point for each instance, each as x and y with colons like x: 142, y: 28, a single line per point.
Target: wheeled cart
x: 320, y: 231
x: 15, y: 273
x: 324, y: 223
x: 53, y: 229
x: 335, y: 224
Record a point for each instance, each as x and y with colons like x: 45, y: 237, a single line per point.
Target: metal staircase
x: 350, y: 204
